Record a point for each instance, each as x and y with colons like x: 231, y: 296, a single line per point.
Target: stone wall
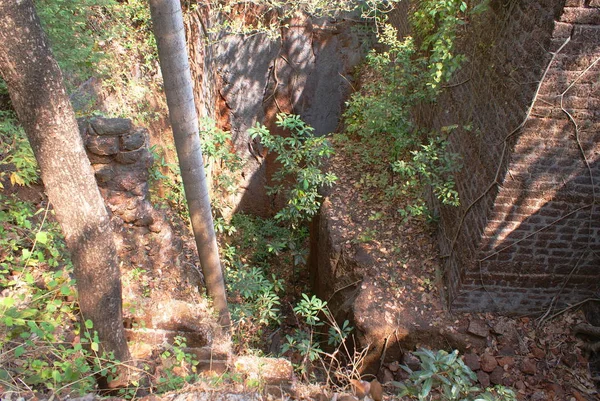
x: 244, y: 80
x: 121, y: 160
x: 527, y: 231
x: 161, y: 297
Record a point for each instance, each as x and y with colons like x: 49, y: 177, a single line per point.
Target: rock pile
x: 161, y: 300
x: 121, y: 160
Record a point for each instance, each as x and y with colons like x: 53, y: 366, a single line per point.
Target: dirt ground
x: 541, y: 359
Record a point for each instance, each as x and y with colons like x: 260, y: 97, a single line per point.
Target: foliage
x: 218, y: 151
x: 407, y: 73
x: 446, y: 374
x: 165, y: 178
x: 263, y: 239
x: 432, y: 166
x: 166, y: 185
x: 304, y: 340
x: 254, y: 291
x: 255, y: 301
x: 300, y: 155
x: 248, y: 17
x: 17, y: 161
x: 106, y: 39
x: 174, y: 356
x: 75, y: 27
x: 38, y: 307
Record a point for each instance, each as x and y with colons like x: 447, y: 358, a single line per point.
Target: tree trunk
x: 39, y: 97
x: 170, y: 38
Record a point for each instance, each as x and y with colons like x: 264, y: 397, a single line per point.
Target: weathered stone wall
x: 160, y: 286
x: 121, y: 160
x: 529, y: 222
x: 250, y: 79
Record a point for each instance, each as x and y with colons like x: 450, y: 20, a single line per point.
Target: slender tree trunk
x: 39, y: 97
x: 170, y: 38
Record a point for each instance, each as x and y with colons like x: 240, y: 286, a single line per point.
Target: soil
x: 541, y: 359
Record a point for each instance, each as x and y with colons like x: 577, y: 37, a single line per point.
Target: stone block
x: 130, y: 157
x: 134, y: 140
x: 110, y: 126
x: 98, y: 159
x: 103, y: 172
x: 103, y: 145
x: 272, y: 371
x: 579, y: 15
x: 562, y: 30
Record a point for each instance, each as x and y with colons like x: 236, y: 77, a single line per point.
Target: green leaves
x: 309, y: 308
x: 41, y: 237
x: 381, y: 116
x: 300, y: 155
x: 17, y: 161
x: 445, y: 373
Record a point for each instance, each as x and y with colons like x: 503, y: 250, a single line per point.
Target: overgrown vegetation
x: 300, y: 177
x: 17, y: 162
x: 270, y: 17
x: 42, y: 344
x: 41, y: 340
x: 445, y: 375
x: 109, y: 41
x: 409, y: 72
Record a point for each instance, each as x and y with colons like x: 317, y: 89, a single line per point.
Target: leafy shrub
x: 406, y: 73
x: 300, y: 155
x: 174, y: 356
x: 253, y: 299
x: 263, y: 239
x: 445, y: 374
x: 166, y: 185
x: 16, y: 157
x: 305, y: 340
x: 41, y: 342
x: 218, y: 150
x: 269, y: 17
x: 75, y: 27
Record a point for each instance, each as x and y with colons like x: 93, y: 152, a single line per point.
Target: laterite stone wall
x: 527, y: 232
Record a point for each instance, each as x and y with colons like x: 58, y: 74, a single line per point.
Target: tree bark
x: 169, y: 31
x: 39, y: 97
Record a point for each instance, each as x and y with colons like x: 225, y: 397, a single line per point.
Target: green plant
x: 16, y: 157
x: 166, y: 186
x: 300, y: 155
x: 41, y: 341
x: 263, y: 239
x: 180, y: 366
x: 222, y: 161
x: 269, y: 17
x: 437, y: 23
x: 406, y: 73
x: 304, y: 340
x: 75, y: 27
x: 254, y: 300
x: 445, y: 374
x: 430, y: 166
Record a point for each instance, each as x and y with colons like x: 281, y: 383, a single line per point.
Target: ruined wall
x: 250, y: 79
x: 528, y: 223
x: 161, y: 296
x: 121, y: 160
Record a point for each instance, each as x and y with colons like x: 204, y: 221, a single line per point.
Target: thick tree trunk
x: 38, y: 95
x: 170, y: 38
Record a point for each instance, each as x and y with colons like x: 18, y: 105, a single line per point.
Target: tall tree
x: 169, y: 31
x: 37, y: 91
